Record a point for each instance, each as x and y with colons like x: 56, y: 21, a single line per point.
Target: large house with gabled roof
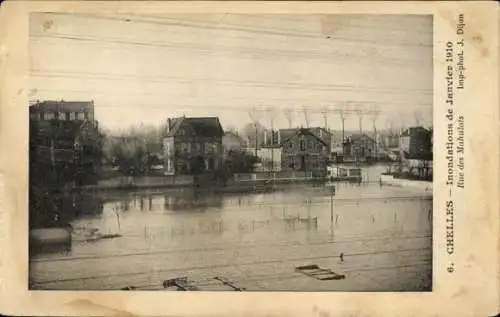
x: 193, y: 145
x: 304, y: 149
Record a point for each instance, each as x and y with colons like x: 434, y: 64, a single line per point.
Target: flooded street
x: 255, y: 240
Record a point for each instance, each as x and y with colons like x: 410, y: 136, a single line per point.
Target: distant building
x: 65, y: 144
x: 193, y: 145
x: 232, y: 142
x: 416, y: 143
x: 270, y: 157
x: 304, y: 149
x: 359, y: 146
x: 391, y: 140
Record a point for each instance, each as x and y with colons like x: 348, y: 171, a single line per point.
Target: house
x: 416, y: 144
x: 65, y: 143
x: 303, y: 149
x: 193, y: 145
x: 359, y: 146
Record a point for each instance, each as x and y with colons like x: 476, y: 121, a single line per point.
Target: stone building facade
x: 304, y: 150
x: 193, y: 146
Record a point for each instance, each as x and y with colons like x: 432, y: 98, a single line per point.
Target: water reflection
x: 183, y: 229
x: 58, y: 208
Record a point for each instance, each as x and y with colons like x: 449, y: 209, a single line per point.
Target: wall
x: 315, y: 154
x: 269, y: 175
x: 146, y: 181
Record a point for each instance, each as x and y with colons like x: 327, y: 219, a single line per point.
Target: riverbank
x: 401, y: 182
x: 250, y: 181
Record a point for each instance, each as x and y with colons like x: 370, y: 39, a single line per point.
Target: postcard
x: 249, y: 158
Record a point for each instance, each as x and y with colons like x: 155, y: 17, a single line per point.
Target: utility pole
x: 359, y: 113
x: 375, y: 113
x: 254, y: 118
x: 272, y: 115
x: 332, y: 194
x: 342, y: 113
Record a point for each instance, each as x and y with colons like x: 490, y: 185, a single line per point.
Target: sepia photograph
x: 231, y: 152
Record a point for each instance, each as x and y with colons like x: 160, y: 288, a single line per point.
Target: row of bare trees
x: 134, y: 150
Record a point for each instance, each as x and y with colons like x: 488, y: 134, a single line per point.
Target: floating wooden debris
x: 318, y: 273
x: 217, y: 283
x: 229, y: 283
x: 181, y: 283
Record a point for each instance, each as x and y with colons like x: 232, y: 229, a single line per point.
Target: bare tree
x: 360, y: 114
x: 305, y: 111
x: 324, y: 113
x: 289, y: 116
x: 417, y: 115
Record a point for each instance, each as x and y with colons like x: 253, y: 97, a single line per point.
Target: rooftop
x: 415, y: 130
x: 57, y: 105
x: 290, y: 133
x: 204, y: 126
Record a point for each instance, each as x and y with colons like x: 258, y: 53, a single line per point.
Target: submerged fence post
x: 118, y: 220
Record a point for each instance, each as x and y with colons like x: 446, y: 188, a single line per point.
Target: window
x: 72, y: 116
x: 61, y: 115
x: 49, y: 115
x: 80, y: 116
x: 302, y: 145
x: 208, y: 147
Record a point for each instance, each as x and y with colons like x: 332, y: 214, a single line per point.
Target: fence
x: 147, y: 181
x: 285, y: 175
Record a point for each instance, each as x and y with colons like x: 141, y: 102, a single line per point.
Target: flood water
x: 254, y: 240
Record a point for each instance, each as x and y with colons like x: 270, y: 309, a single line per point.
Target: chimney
x: 279, y: 137
x: 265, y: 137
x: 169, y: 124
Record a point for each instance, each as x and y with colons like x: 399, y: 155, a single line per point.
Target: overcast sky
x: 147, y: 68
